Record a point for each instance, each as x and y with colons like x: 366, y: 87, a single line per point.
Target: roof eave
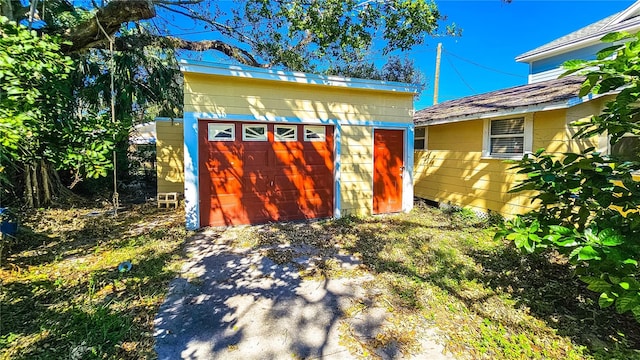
x: 202, y: 67
x: 564, y: 104
x: 576, y: 44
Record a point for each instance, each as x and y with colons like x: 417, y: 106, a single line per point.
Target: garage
x: 259, y: 145
x: 261, y: 172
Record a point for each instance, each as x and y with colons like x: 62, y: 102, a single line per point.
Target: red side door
x: 388, y: 157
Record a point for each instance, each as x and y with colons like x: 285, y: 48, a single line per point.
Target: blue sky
x: 494, y: 33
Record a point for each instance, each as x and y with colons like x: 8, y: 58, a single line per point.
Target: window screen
x: 507, y: 136
x: 419, y: 140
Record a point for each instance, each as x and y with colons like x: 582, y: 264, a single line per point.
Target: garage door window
x: 254, y: 132
x: 314, y: 133
x: 221, y: 132
x: 286, y: 133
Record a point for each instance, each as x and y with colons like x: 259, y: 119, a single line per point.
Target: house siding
x: 223, y: 96
x: 356, y: 158
x: 170, y: 156
x: 452, y: 170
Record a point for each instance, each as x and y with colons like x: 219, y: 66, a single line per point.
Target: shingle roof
x: 596, y: 30
x: 552, y: 92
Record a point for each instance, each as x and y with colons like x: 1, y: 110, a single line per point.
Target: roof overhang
x: 514, y: 111
x: 202, y: 67
x: 576, y: 44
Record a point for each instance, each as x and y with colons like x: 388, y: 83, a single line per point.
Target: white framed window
x: 421, y: 135
x: 285, y: 132
x: 254, y: 132
x: 508, y: 138
x: 221, y: 132
x: 314, y: 133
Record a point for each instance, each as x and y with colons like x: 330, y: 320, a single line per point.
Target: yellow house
x: 461, y: 145
x: 262, y: 145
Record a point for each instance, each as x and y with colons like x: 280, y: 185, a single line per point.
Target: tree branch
x: 241, y: 55
x: 111, y: 18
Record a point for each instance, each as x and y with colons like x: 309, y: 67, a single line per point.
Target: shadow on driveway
x: 238, y: 304
x: 241, y: 305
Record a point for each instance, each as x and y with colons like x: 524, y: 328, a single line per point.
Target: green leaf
x: 630, y: 262
x: 605, y: 300
x: 611, y: 238
x: 569, y: 158
x: 588, y: 253
x: 596, y: 284
x: 627, y: 302
x: 561, y: 229
x: 574, y: 65
x: 616, y: 36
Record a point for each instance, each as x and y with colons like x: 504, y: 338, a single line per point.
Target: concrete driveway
x: 239, y: 304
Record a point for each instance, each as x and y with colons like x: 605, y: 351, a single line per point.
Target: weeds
x: 63, y: 295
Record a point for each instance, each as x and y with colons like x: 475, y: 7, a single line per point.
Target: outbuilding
x: 264, y: 145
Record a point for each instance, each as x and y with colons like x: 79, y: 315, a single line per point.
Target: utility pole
x: 436, y: 78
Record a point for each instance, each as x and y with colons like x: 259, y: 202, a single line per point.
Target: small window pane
x: 314, y: 133
x: 221, y: 132
x: 627, y: 149
x: 286, y: 133
x: 507, y: 145
x: 418, y: 144
x: 507, y: 126
x: 254, y: 132
x: 420, y: 132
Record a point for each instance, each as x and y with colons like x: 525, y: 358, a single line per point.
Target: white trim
x: 191, y: 181
x: 209, y: 68
x: 527, y: 144
x: 407, y: 176
x: 337, y: 172
x: 296, y: 120
x: 262, y: 126
x: 593, y: 39
x: 425, y: 138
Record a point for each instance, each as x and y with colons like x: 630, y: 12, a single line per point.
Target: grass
x: 62, y: 296
x: 443, y: 269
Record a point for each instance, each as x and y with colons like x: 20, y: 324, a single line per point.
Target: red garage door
x: 253, y: 173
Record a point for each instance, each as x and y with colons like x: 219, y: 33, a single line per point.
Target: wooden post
x: 436, y: 78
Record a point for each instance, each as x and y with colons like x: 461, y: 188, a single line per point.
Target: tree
x: 75, y: 134
x: 308, y: 35
x: 589, y: 202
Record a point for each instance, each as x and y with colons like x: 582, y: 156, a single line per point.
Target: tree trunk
x: 36, y: 186
x: 28, y: 186
x: 46, y: 183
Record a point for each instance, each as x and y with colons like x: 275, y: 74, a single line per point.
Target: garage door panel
x: 255, y: 159
x: 250, y: 182
x: 287, y: 157
x: 316, y: 158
